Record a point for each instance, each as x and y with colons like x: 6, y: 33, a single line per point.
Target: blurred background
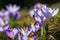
x: 25, y: 19
x: 27, y: 3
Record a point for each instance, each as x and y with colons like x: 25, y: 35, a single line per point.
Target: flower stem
x: 42, y: 38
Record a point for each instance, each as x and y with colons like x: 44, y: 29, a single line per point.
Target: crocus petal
x: 22, y: 31
x: 34, y: 38
x: 33, y: 28
x: 29, y: 27
x: 15, y: 31
x: 48, y: 12
x: 55, y: 11
x: 1, y: 22
x: 10, y: 33
x: 38, y: 5
x: 36, y: 25
x: 1, y: 29
x: 44, y: 18
x: 19, y: 37
x: 31, y: 13
x: 16, y: 15
x: 37, y: 18
x: 13, y: 8
x: 6, y: 27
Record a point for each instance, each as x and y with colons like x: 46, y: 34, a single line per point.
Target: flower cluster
x: 40, y: 13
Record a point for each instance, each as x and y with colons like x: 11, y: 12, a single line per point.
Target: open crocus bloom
x: 11, y: 33
x: 48, y: 12
x: 12, y: 8
x: 25, y: 34
x: 37, y: 6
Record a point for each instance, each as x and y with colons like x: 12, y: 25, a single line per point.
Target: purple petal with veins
x: 37, y: 18
x: 29, y: 27
x: 9, y: 30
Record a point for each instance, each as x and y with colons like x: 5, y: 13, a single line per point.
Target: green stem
x: 42, y: 34
x: 47, y: 36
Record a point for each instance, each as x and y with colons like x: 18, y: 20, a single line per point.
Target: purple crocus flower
x: 18, y: 36
x: 3, y: 26
x: 34, y: 38
x: 38, y: 16
x: 38, y: 5
x: 4, y: 18
x: 34, y: 28
x: 13, y: 10
x: 48, y: 12
x: 31, y: 13
x: 16, y: 15
x: 25, y: 34
x: 11, y: 33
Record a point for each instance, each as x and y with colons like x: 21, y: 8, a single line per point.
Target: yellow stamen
x: 24, y: 29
